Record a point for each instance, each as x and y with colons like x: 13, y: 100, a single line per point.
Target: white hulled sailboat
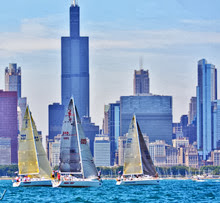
x: 138, y: 166
x: 76, y: 162
x: 34, y: 168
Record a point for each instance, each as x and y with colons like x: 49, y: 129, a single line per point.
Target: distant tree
x: 8, y: 170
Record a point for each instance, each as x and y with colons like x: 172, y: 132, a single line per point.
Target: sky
x: 171, y: 36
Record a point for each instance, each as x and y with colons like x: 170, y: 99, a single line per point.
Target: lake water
x: 167, y: 191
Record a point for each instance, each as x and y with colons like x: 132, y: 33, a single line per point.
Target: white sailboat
x: 138, y: 166
x: 34, y: 168
x: 76, y: 162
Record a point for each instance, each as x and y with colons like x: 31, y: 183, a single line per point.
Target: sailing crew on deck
x: 58, y: 176
x: 99, y: 175
x: 52, y: 174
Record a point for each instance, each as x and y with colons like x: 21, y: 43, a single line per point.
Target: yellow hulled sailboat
x: 34, y: 168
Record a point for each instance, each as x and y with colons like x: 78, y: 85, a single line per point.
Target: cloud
x: 200, y: 22
x: 162, y: 39
x: 34, y: 35
x: 44, y: 34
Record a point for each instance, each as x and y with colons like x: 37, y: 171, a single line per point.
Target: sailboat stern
x: 77, y: 183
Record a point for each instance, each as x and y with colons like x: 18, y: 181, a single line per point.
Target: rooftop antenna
x: 74, y: 2
x: 141, y: 62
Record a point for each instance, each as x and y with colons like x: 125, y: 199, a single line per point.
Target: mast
x: 34, y: 139
x: 77, y: 131
x: 139, y: 145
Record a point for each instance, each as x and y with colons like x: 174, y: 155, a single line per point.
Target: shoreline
x: 6, y: 178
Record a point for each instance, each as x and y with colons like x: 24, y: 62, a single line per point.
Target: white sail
x: 70, y: 160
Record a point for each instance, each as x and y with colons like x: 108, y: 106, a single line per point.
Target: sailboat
x: 138, y: 166
x: 34, y: 168
x: 77, y: 168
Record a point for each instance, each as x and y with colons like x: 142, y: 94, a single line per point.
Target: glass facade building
x: 206, y: 94
x: 114, y: 128
x: 13, y: 78
x: 90, y: 130
x: 102, y: 150
x: 141, y: 82
x: 9, y: 121
x: 75, y: 65
x: 153, y: 113
x: 192, y: 110
x: 56, y: 116
x: 5, y: 151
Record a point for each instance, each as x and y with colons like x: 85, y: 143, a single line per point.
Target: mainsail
x: 137, y: 160
x: 70, y: 159
x: 132, y: 156
x: 44, y: 167
x: 147, y: 163
x: 27, y: 155
x: 75, y: 155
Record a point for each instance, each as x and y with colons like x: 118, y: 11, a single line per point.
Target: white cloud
x: 34, y: 35
x: 44, y: 34
x: 200, y: 22
x: 159, y: 39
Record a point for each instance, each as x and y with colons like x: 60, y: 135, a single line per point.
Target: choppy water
x: 167, y: 191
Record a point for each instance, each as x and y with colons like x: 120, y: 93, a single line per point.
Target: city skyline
x: 171, y: 37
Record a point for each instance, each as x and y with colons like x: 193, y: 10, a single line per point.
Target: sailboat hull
x: 78, y: 183
x: 32, y: 183
x: 139, y: 182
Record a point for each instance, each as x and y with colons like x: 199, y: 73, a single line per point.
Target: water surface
x: 167, y: 191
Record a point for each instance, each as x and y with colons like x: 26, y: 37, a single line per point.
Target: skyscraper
x: 8, y: 121
x: 13, y: 79
x: 206, y: 94
x: 75, y: 65
x: 114, y: 129
x: 55, y: 119
x: 55, y: 122
x: 102, y: 150
x: 141, y: 82
x: 192, y: 110
x: 105, y: 120
x: 154, y: 115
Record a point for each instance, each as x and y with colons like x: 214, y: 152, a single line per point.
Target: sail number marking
x: 68, y: 134
x: 83, y: 141
x: 36, y: 138
x: 129, y: 140
x: 23, y: 137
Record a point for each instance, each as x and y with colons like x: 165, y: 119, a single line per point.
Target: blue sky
x: 170, y: 35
